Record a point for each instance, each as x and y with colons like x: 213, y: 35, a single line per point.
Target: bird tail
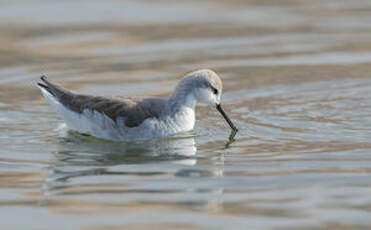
x: 51, y: 88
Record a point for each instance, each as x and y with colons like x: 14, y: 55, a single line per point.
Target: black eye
x: 215, y: 91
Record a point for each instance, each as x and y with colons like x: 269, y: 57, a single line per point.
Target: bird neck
x: 181, y: 99
x: 182, y: 110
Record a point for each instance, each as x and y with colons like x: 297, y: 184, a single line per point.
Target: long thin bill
x: 219, y: 108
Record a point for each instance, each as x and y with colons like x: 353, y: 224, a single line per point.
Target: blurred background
x: 297, y: 83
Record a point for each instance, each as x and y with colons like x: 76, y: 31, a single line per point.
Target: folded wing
x: 135, y: 111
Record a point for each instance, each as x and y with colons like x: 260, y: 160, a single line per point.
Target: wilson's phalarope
x: 131, y: 119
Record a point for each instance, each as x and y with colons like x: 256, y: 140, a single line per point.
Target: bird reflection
x: 85, y: 165
x: 76, y: 147
x: 80, y: 156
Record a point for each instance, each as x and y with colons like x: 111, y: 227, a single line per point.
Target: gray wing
x: 135, y: 111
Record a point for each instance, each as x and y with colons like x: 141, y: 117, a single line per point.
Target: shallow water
x: 297, y: 84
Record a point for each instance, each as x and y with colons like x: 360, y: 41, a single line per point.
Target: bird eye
x: 215, y: 91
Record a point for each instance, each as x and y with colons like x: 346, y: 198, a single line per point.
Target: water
x: 297, y: 84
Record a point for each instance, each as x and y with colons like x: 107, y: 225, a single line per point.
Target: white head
x: 202, y: 87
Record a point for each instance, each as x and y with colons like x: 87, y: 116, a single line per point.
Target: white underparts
x: 100, y: 125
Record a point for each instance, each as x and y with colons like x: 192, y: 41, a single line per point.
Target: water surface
x: 297, y: 84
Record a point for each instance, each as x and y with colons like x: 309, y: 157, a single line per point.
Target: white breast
x: 182, y: 121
